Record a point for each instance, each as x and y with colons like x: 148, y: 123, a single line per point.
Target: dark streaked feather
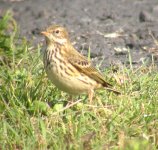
x: 85, y: 66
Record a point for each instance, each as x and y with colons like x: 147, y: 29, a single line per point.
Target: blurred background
x: 108, y: 28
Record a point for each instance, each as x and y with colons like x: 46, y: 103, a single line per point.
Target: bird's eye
x: 57, y: 31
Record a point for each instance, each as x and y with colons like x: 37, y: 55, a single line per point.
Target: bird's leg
x: 90, y: 95
x: 69, y: 100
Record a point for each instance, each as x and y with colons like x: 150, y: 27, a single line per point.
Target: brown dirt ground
x: 108, y: 27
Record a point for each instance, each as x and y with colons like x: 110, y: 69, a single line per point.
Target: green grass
x: 30, y: 116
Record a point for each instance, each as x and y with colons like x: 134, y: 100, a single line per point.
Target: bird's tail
x: 113, y: 90
x: 108, y: 87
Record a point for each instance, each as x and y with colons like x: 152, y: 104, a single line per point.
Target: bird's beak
x: 45, y: 33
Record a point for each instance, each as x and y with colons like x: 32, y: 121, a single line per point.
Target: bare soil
x: 109, y: 28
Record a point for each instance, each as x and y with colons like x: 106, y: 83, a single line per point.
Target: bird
x: 68, y: 69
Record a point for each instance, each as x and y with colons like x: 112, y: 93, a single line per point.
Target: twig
x: 66, y: 107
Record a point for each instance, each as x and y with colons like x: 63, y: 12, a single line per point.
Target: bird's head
x: 56, y: 34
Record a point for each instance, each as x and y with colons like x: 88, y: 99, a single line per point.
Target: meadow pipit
x: 67, y: 68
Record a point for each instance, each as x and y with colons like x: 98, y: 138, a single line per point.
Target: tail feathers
x: 108, y: 86
x: 113, y: 90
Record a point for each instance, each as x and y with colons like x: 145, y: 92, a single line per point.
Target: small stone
x: 155, y: 10
x: 120, y: 51
x: 145, y: 16
x: 35, y: 31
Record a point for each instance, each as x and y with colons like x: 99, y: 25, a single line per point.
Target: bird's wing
x: 85, y: 66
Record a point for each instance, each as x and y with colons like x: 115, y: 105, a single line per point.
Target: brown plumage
x: 67, y: 68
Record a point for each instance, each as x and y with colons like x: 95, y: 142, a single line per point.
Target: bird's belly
x: 71, y: 84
